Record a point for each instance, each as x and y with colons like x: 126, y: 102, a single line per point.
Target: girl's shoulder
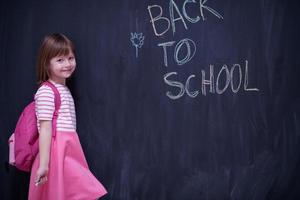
x: 44, y: 90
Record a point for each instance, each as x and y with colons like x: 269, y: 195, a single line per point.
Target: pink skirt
x: 69, y: 177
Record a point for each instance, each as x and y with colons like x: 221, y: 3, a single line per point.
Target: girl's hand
x: 41, y: 176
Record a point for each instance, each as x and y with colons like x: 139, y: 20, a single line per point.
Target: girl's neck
x: 58, y: 81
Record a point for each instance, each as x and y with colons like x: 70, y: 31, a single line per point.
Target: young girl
x: 60, y: 170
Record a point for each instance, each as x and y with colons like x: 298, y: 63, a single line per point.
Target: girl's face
x: 62, y: 67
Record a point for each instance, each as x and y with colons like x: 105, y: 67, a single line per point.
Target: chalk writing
x: 182, y: 15
x: 185, y: 49
x: 214, y: 84
x: 190, y: 47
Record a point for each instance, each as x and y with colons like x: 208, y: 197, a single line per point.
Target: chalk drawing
x: 137, y: 40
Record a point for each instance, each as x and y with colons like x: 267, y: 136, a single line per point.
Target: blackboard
x: 194, y: 99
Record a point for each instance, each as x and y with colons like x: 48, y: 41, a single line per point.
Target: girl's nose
x: 68, y: 62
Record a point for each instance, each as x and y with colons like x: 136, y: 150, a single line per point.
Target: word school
x: 208, y: 80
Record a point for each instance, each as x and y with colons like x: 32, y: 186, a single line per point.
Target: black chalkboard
x: 194, y: 99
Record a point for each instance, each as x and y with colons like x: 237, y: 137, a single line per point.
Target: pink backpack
x: 24, y: 143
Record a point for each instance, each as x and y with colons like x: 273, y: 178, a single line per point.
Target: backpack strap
x: 57, y: 105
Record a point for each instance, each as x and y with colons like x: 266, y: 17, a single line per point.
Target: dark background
x: 138, y: 142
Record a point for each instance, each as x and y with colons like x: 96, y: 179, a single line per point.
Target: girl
x: 60, y: 170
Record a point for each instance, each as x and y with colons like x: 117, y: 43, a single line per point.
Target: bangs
x: 61, y: 48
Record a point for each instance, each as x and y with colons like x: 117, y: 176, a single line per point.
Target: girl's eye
x: 71, y: 58
x: 60, y: 60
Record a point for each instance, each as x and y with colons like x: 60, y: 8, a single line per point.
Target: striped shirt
x: 45, y: 106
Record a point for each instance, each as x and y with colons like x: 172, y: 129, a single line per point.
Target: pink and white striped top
x: 45, y: 106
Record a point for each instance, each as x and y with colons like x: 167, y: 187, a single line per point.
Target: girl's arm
x: 44, y: 150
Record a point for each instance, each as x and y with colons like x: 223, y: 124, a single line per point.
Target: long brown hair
x: 53, y: 45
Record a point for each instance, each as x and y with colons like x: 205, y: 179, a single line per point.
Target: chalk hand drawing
x: 137, y: 40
